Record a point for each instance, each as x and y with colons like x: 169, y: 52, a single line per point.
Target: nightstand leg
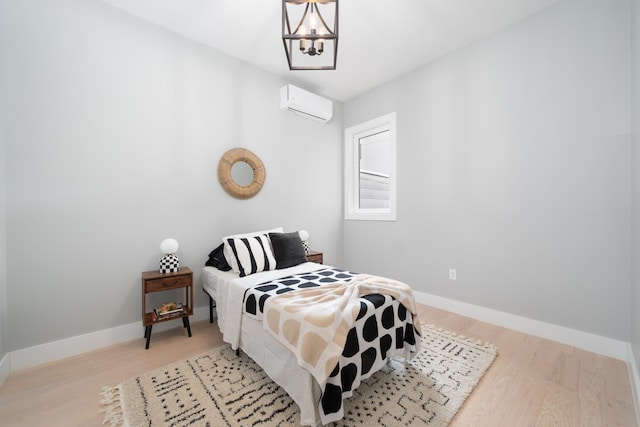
x: 147, y: 335
x: 185, y: 322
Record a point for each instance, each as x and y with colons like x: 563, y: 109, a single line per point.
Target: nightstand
x: 154, y: 281
x: 314, y: 256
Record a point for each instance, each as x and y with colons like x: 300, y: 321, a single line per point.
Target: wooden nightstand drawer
x: 168, y: 283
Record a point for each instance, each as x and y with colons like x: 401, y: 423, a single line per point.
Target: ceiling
x: 378, y: 40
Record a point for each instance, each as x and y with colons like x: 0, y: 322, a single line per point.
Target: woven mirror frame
x: 226, y: 179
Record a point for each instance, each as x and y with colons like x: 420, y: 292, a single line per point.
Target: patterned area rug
x: 218, y: 388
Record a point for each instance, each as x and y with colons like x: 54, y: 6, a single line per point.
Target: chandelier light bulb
x: 313, y: 21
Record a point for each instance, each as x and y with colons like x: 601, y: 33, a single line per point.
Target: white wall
x: 513, y: 168
x: 114, y: 132
x: 3, y: 197
x: 635, y: 288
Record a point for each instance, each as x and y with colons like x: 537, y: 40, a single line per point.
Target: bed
x: 383, y: 329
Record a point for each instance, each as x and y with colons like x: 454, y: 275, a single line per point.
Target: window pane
x: 374, y: 171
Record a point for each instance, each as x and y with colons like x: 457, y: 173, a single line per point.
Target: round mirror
x: 241, y: 173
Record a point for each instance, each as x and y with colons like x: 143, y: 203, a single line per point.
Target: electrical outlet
x: 452, y: 274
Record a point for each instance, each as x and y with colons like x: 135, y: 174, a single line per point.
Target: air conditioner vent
x: 305, y: 104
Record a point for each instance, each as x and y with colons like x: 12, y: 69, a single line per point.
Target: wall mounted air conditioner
x: 305, y: 104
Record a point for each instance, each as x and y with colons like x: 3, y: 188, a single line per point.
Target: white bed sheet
x: 241, y: 331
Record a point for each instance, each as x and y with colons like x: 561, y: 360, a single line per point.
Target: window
x: 370, y: 170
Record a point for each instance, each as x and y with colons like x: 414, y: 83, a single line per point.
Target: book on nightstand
x: 167, y: 311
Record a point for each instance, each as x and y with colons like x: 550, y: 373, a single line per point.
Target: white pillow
x: 253, y: 254
x: 228, y: 252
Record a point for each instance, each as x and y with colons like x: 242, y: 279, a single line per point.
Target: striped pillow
x: 253, y: 254
x: 228, y: 253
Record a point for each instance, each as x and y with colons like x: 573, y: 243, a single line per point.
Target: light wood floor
x: 532, y: 382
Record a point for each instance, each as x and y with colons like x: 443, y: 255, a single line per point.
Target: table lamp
x: 169, y: 263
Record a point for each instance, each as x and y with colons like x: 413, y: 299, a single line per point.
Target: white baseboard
x: 44, y: 353
x: 583, y: 340
x: 5, y: 368
x: 634, y: 378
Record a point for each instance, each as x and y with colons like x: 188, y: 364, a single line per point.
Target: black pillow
x: 287, y: 249
x: 217, y: 259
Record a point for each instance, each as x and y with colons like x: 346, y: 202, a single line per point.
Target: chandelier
x: 313, y: 43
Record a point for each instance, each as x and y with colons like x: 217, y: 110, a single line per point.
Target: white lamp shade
x: 304, y: 235
x: 169, y: 246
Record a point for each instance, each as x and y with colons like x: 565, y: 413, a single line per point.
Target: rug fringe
x: 480, y: 343
x: 113, y: 406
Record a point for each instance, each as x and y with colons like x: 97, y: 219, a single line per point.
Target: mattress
x: 211, y: 276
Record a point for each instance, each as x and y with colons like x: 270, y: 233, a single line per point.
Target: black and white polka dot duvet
x: 383, y: 329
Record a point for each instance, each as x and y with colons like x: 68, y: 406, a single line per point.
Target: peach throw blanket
x: 313, y: 323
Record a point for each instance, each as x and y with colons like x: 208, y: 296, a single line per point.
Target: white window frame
x: 352, y: 136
